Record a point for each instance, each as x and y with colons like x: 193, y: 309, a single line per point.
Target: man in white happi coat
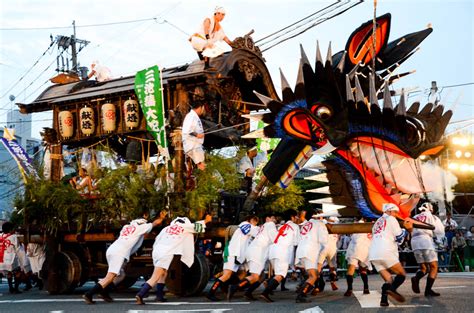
x: 313, y: 239
x: 175, y: 239
x: 329, y: 254
x: 193, y: 134
x: 383, y: 252
x: 101, y: 72
x: 357, y: 256
x: 422, y: 243
x: 207, y: 41
x: 118, y: 254
x: 234, y: 254
x: 256, y: 256
x: 281, y: 253
x: 36, y: 256
x: 12, y: 256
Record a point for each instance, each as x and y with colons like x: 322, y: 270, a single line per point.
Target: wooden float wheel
x: 64, y: 273
x: 184, y: 281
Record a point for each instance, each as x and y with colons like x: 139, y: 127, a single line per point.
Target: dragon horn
x: 319, y: 58
x: 349, y: 95
x: 342, y: 62
x: 387, y: 98
x: 265, y: 100
x: 329, y: 55
x: 372, y: 92
x: 401, y: 108
x: 359, y: 94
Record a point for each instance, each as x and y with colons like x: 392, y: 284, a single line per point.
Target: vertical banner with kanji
x: 149, y: 90
x: 21, y: 157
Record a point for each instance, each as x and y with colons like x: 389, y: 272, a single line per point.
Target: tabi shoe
x: 232, y: 290
x: 139, y: 300
x: 432, y: 293
x: 88, y: 299
x: 394, y: 294
x: 301, y: 298
x: 384, y: 300
x: 106, y: 297
x: 266, y: 297
x: 212, y: 297
x: 249, y: 296
x: 415, y: 285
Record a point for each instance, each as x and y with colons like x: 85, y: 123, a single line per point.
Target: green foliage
x: 277, y: 199
x: 127, y: 194
x: 48, y: 205
x: 123, y: 194
x: 220, y: 174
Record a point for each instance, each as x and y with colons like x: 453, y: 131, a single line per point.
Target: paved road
x: 457, y: 291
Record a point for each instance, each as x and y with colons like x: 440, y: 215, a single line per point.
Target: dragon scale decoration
x: 377, y: 153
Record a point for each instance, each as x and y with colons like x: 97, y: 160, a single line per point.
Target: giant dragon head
x: 380, y: 153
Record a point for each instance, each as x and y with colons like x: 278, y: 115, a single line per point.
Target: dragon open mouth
x: 389, y: 174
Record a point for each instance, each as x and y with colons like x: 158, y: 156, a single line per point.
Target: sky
x: 446, y: 56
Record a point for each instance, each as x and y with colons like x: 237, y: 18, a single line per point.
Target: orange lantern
x: 87, y: 121
x: 130, y: 109
x: 108, y: 117
x: 65, y: 124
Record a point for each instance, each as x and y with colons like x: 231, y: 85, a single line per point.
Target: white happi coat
x: 386, y: 233
x: 239, y: 242
x: 313, y: 239
x: 192, y: 124
x: 423, y: 238
x: 359, y: 247
x: 331, y: 248
x: 130, y: 239
x: 258, y: 248
x: 198, y: 39
x: 283, y: 247
x: 178, y: 239
x: 11, y: 251
x: 36, y: 256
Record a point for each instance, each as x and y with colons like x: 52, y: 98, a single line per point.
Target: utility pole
x: 73, y: 48
x: 64, y: 42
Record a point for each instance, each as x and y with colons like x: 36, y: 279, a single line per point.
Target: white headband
x: 219, y: 9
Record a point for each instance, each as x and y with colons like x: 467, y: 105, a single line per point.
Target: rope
x: 225, y: 128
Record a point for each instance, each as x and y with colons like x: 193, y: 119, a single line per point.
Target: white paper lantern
x: 66, y: 123
x: 86, y: 116
x: 130, y: 109
x: 108, y: 117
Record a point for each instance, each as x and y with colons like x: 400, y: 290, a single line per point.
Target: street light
x: 461, y: 150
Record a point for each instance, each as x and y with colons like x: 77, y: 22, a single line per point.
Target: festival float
x: 333, y: 110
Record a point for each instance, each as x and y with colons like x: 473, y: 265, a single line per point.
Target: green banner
x: 149, y: 90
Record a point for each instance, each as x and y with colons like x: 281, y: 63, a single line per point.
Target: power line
x: 311, y: 26
x: 35, y: 79
x: 34, y: 64
x: 458, y: 85
x: 78, y: 26
x: 92, y: 25
x: 286, y: 27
